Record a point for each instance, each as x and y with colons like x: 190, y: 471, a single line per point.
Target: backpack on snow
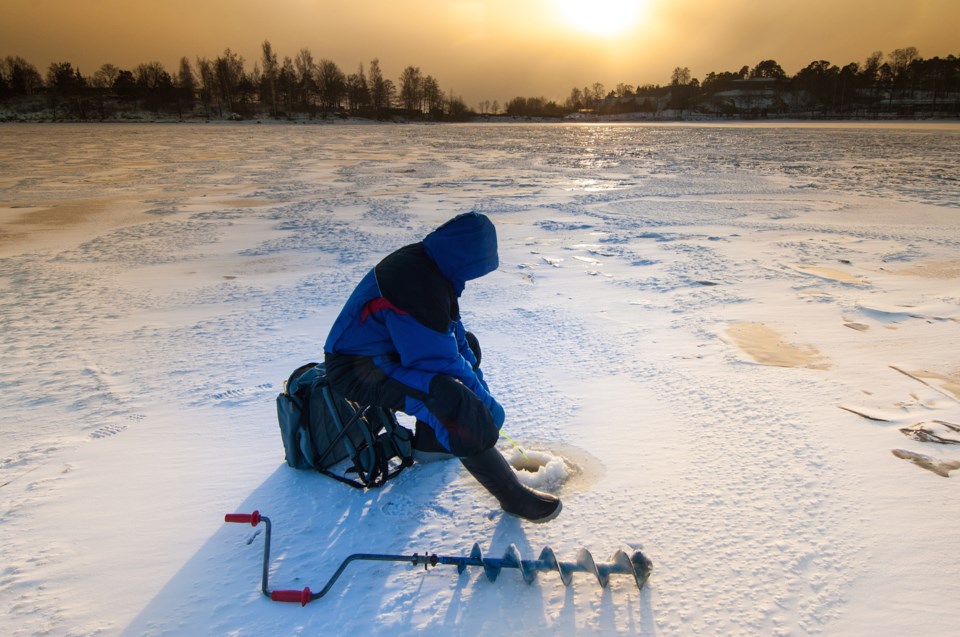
x: 320, y: 429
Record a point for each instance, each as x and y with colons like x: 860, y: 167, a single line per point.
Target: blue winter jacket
x: 405, y: 313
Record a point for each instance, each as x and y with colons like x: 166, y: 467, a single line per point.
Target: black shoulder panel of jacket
x: 410, y: 279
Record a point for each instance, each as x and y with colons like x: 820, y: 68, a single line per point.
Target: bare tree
x: 22, y: 77
x: 871, y: 67
x: 104, y: 77
x: 331, y: 85
x: 287, y: 83
x: 901, y: 62
x: 379, y: 98
x: 151, y: 75
x: 271, y: 72
x: 154, y: 85
x: 358, y: 91
x: 587, y: 94
x: 102, y: 82
x: 66, y: 83
x: 306, y: 84
x: 597, y: 95
x: 389, y: 94
x: 455, y: 106
x: 186, y: 86
x: 208, y: 83
x: 411, y: 90
x: 432, y: 97
x: 680, y: 76
x: 682, y: 87
x: 228, y: 71
x: 900, y: 59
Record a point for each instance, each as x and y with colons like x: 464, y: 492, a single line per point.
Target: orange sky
x: 483, y: 49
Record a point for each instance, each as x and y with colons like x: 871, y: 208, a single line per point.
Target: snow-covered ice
x: 731, y: 347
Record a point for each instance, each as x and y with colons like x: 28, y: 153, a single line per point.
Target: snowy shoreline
x: 740, y: 339
x: 626, y: 118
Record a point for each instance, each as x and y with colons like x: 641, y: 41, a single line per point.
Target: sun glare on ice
x: 600, y: 17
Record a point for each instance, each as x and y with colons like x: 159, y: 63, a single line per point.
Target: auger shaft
x: 637, y: 564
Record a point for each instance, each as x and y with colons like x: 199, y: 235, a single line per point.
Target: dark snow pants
x: 467, y: 420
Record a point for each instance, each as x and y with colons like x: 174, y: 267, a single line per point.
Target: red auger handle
x: 292, y: 596
x: 253, y: 519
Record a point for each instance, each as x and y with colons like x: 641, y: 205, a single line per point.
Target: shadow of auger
x: 637, y: 564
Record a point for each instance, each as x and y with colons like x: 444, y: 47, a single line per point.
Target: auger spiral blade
x: 641, y: 566
x: 637, y: 565
x: 586, y: 564
x: 548, y: 561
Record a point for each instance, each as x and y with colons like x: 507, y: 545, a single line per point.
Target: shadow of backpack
x: 320, y: 429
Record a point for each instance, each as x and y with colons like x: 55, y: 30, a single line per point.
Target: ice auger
x: 637, y: 564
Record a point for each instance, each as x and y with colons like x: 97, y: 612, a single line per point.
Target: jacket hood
x: 464, y: 248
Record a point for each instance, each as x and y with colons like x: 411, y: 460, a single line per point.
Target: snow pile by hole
x: 539, y: 469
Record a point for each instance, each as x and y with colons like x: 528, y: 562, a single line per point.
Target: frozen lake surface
x: 723, y: 330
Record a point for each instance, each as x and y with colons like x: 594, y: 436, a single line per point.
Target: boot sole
x: 545, y: 518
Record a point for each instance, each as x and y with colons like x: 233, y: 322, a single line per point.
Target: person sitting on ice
x: 399, y: 343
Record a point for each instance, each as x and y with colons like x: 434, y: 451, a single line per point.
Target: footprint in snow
x: 241, y: 393
x: 107, y: 430
x: 113, y: 429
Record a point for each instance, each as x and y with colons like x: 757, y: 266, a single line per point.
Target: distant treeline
x: 222, y: 88
x: 900, y: 84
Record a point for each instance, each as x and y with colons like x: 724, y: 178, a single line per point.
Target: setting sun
x: 601, y: 17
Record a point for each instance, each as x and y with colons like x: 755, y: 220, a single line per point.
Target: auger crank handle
x: 302, y: 597
x: 253, y: 519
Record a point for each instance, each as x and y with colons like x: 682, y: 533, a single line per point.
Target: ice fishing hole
x: 529, y: 464
x: 559, y: 466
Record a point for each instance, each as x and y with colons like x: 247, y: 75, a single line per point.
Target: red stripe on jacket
x: 378, y: 305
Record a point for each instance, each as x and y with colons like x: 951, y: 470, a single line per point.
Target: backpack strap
x: 395, y: 442
x: 356, y: 417
x: 342, y: 435
x: 371, y: 459
x: 347, y: 481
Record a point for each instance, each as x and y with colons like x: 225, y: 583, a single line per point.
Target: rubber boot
x: 491, y: 470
